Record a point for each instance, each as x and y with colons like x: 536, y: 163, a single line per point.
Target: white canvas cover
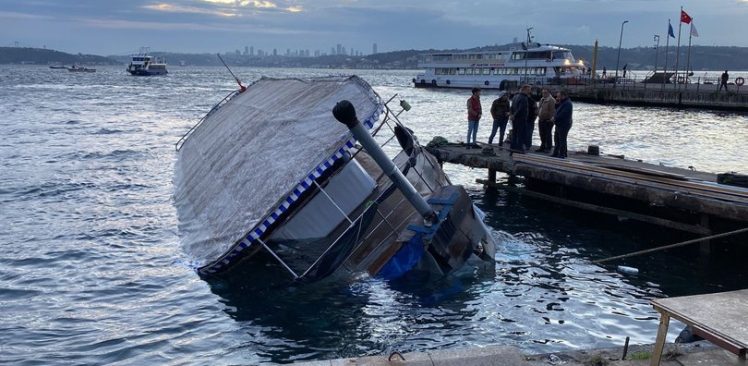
x: 249, y: 155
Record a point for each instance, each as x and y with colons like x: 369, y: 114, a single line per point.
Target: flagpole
x: 688, y: 58
x: 677, y: 49
x: 667, y: 50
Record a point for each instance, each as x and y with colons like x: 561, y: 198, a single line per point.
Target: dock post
x: 705, y: 247
x: 491, y: 176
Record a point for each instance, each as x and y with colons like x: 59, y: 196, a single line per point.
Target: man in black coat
x: 563, y: 121
x: 520, y: 113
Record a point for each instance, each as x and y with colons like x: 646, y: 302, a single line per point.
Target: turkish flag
x: 685, y: 18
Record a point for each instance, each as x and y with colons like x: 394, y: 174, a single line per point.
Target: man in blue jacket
x: 562, y: 120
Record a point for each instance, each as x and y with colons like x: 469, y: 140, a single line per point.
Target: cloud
x: 172, y: 8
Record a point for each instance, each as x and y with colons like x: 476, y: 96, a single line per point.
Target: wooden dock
x: 679, y: 199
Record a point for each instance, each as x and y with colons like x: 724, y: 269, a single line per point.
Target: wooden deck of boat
x: 680, y: 199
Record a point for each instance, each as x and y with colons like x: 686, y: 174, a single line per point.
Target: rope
x: 684, y: 243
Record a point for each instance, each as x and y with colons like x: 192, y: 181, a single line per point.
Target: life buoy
x: 448, y: 82
x: 486, y: 83
x: 433, y: 82
x: 414, y: 80
x: 739, y: 81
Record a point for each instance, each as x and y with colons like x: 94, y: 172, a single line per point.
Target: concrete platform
x: 693, y: 354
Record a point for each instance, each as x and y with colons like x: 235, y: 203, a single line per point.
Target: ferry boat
x: 268, y: 180
x: 539, y: 64
x: 143, y: 64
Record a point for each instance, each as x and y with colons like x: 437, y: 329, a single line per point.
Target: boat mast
x: 527, y: 45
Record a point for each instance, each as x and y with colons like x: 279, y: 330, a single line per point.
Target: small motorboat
x: 76, y: 68
x: 299, y: 171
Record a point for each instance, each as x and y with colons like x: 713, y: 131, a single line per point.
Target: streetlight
x: 618, y: 62
x: 657, y: 51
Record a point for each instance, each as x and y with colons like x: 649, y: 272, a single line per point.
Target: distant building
x: 252, y: 51
x: 374, y: 49
x: 246, y: 51
x: 275, y: 52
x: 339, y: 49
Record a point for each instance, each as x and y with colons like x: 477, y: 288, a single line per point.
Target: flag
x: 670, y: 30
x: 685, y: 18
x: 694, y: 32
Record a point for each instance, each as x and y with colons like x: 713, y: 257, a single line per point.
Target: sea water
x: 91, y: 269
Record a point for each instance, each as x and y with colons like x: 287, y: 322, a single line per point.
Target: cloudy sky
x: 123, y: 26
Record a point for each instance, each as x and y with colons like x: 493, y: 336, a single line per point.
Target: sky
x: 120, y: 27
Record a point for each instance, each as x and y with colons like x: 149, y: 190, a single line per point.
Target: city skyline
x: 197, y: 26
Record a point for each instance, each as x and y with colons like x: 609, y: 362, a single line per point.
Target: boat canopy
x: 250, y: 159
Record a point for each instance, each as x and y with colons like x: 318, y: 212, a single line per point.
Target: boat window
x: 468, y: 71
x: 518, y: 56
x: 542, y: 55
x: 453, y: 71
x: 461, y: 71
x: 318, y: 217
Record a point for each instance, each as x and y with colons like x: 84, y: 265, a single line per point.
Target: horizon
x: 330, y: 26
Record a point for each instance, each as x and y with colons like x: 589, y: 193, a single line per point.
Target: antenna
x: 242, y: 88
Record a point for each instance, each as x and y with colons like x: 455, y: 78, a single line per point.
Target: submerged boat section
x: 270, y: 170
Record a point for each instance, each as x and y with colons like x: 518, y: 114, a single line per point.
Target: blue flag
x: 670, y: 30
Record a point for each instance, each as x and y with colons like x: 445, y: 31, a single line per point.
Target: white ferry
x: 143, y: 64
x: 541, y: 64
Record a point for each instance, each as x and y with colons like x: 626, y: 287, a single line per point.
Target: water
x: 91, y: 270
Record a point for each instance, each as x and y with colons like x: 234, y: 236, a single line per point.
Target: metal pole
x: 345, y: 113
x: 677, y: 49
x: 618, y: 61
x: 667, y: 49
x: 657, y: 52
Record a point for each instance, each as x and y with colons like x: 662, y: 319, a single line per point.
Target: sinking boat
x: 274, y: 169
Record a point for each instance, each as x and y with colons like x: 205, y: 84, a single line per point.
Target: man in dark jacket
x: 532, y: 115
x: 563, y: 121
x: 519, y: 114
x: 500, y: 114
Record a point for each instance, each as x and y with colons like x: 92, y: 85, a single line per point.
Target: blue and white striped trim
x: 255, y: 233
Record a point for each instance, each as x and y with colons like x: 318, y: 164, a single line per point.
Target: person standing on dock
x: 519, y: 114
x: 545, y: 121
x: 562, y: 120
x: 532, y: 115
x: 500, y: 113
x: 474, y: 114
x: 605, y: 73
x: 725, y: 78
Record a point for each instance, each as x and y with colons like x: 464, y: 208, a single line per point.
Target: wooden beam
x: 616, y: 212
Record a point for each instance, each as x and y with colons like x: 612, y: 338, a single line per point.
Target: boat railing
x: 189, y: 132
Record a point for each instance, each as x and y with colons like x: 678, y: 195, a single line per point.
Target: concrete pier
x: 695, y: 96
x: 699, y: 353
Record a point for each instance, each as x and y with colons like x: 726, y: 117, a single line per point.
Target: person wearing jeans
x: 500, y: 114
x: 474, y: 114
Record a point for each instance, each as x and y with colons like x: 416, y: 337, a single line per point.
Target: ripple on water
x: 91, y: 271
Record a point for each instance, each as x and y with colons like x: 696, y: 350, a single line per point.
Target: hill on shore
x: 712, y: 58
x: 43, y: 56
